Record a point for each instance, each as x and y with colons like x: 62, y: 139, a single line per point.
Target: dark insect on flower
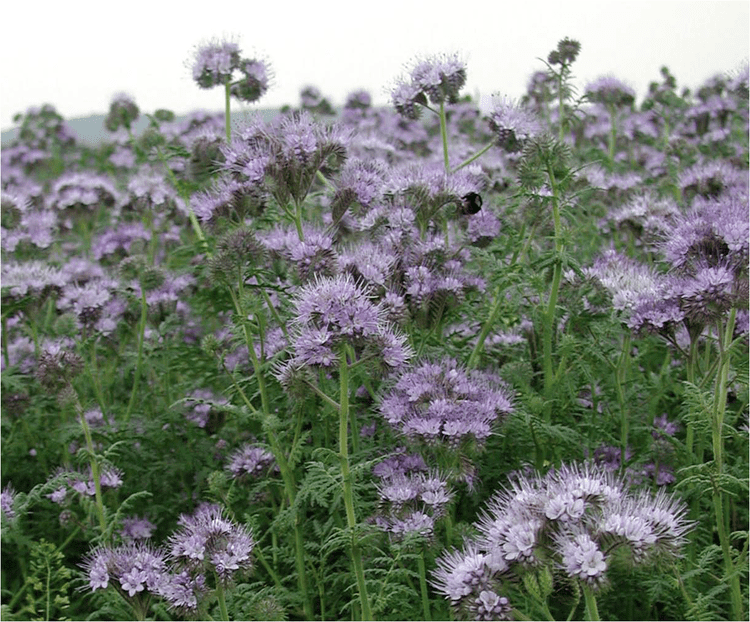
x: 472, y: 203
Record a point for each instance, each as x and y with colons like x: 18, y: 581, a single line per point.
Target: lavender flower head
x: 251, y: 461
x: 436, y: 78
x: 208, y: 540
x: 133, y: 568
x: 337, y: 311
x: 610, y: 91
x: 214, y: 63
x: 569, y: 521
x: 513, y: 124
x: 412, y: 503
x: 444, y: 403
x: 256, y: 77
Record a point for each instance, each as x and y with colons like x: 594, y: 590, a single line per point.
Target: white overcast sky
x: 77, y: 54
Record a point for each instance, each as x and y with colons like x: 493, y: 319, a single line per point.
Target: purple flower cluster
x: 215, y: 62
x: 610, y: 91
x: 411, y: 503
x: 133, y: 568
x: 208, y: 541
x: 251, y: 461
x: 441, y: 402
x: 84, y: 190
x: 333, y: 312
x: 437, y: 79
x: 513, y: 124
x: 83, y: 482
x: 571, y: 521
x: 280, y: 158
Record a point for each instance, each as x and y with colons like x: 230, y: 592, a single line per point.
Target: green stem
x: 444, y: 137
x: 287, y: 474
x: 95, y: 473
x: 491, y: 319
x: 549, y: 317
x: 592, y: 611
x: 612, y: 136
x: 347, y: 477
x: 297, y: 216
x: 227, y: 113
x: 423, y: 587
x: 717, y: 428
x: 220, y: 597
x: 96, y: 382
x: 6, y: 357
x: 139, y: 361
x: 560, y: 109
x: 620, y: 376
x: 478, y: 154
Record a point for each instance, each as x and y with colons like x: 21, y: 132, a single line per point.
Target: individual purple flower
x: 664, y: 427
x: 312, y: 99
x: 712, y: 178
x: 442, y: 402
x: 58, y: 495
x: 512, y: 123
x: 399, y: 463
x: 368, y: 263
x: 214, y: 63
x: 581, y: 557
x: 714, y: 232
x: 645, y: 216
x: 489, y: 605
x: 251, y: 461
x: 208, y: 540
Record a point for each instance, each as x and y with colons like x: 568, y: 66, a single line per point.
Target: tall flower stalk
x: 351, y: 518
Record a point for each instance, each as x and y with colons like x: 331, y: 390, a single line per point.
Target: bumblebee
x: 471, y: 203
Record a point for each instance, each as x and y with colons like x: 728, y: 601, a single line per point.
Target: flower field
x: 417, y: 362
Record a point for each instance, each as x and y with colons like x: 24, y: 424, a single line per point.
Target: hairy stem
x: 139, y: 360
x: 351, y: 519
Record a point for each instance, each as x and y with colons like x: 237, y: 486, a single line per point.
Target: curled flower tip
x: 566, y: 52
x: 513, y: 124
x: 214, y: 63
x: 255, y: 80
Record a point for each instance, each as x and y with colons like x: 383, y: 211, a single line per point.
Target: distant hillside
x: 91, y: 131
